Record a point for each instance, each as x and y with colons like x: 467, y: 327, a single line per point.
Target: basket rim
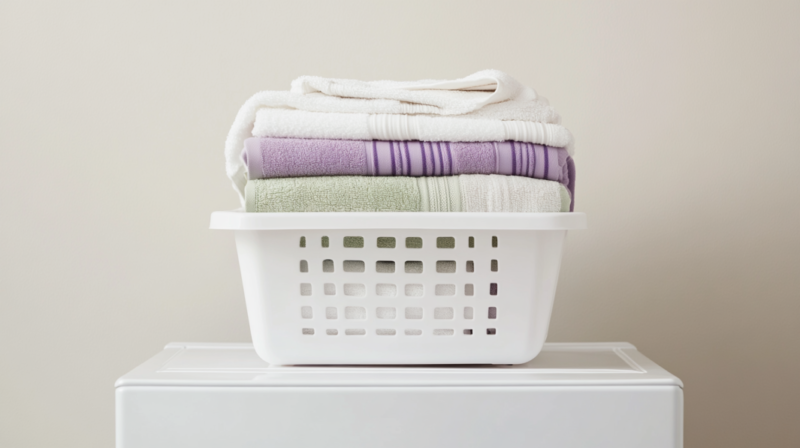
x: 240, y: 220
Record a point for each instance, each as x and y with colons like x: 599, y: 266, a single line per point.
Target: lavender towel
x: 267, y: 157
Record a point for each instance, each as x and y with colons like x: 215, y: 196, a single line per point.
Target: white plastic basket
x: 320, y: 290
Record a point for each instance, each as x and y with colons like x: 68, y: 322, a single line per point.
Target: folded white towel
x: 526, y: 107
x: 455, y: 97
x: 275, y: 122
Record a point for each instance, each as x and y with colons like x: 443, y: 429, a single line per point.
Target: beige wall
x: 111, y: 132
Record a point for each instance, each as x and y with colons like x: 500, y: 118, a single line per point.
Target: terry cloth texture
x: 467, y: 193
x: 490, y: 93
x: 275, y: 122
x: 267, y: 157
x: 521, y: 116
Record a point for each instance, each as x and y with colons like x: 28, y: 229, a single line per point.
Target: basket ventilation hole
x: 445, y: 242
x: 494, y: 265
x: 355, y: 312
x: 492, y: 312
x: 305, y: 289
x: 414, y: 313
x: 443, y: 332
x: 355, y: 332
x: 468, y: 312
x: 331, y: 312
x: 386, y: 289
x: 384, y: 267
x: 491, y: 331
x: 355, y: 289
x: 303, y: 266
x: 330, y: 289
x: 353, y: 266
x: 331, y: 332
x: 354, y: 241
x: 467, y: 331
x: 413, y: 332
x: 413, y: 242
x: 302, y: 241
x: 326, y: 242
x: 471, y: 246
x: 385, y: 312
x: 446, y: 266
x: 443, y: 313
x: 445, y: 290
x: 306, y: 312
x: 386, y: 242
x: 413, y: 267
x: 493, y: 289
x: 494, y: 241
x: 308, y: 331
x: 327, y: 265
x: 470, y: 266
x: 414, y: 290
x: 385, y: 332
x: 469, y: 289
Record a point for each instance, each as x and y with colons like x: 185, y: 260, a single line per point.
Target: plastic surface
x: 572, y: 395
x: 559, y: 364
x: 399, y: 288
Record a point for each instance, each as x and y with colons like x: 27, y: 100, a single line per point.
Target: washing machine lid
x: 558, y: 364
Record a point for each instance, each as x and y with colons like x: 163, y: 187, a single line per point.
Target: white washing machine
x: 572, y: 395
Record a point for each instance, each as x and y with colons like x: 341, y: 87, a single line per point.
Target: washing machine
x: 203, y: 395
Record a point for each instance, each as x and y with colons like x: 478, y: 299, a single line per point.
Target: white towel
x: 433, y: 97
x: 526, y: 107
x: 289, y: 123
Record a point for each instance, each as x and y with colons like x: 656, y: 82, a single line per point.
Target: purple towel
x: 267, y: 157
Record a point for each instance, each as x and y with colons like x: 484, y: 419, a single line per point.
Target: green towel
x: 465, y: 193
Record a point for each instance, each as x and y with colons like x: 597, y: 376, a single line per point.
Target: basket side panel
x: 399, y: 296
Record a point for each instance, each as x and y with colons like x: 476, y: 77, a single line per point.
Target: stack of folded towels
x: 483, y: 143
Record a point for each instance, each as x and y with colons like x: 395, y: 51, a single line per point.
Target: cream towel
x: 466, y: 193
x: 272, y: 122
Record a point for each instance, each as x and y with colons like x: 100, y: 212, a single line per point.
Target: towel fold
x: 466, y: 193
x: 488, y: 93
x: 290, y: 157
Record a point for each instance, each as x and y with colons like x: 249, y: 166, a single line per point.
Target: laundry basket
x: 399, y: 288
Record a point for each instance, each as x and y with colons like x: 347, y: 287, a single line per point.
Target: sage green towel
x: 465, y: 193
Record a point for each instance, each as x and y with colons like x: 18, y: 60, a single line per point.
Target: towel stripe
x: 433, y: 161
x: 400, y: 158
x: 424, y: 163
x: 530, y: 157
x: 408, y: 158
x: 525, y: 159
x: 441, y: 162
x: 449, y: 157
x: 513, y: 158
x: 391, y: 152
x: 546, y: 164
x: 375, y: 158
